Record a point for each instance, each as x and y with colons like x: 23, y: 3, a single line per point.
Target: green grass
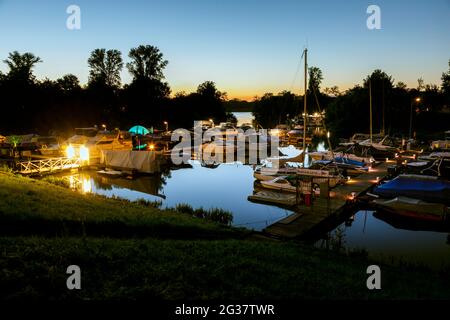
x: 33, y: 207
x: 175, y: 269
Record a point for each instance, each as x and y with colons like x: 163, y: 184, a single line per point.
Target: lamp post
x: 167, y: 125
x: 410, y: 115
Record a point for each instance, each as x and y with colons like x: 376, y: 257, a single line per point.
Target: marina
x: 199, y: 152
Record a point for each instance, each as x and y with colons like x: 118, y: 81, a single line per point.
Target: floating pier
x: 307, y: 218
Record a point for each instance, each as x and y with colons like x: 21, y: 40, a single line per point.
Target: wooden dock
x: 308, y: 217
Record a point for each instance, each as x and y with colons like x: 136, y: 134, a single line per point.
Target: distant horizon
x: 248, y: 48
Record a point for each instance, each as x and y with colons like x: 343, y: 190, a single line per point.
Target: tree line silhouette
x: 348, y: 112
x: 46, y: 106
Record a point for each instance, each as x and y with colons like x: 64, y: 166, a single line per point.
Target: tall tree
x: 105, y: 67
x: 315, y: 79
x: 147, y: 92
x: 146, y: 63
x: 420, y: 84
x: 21, y: 65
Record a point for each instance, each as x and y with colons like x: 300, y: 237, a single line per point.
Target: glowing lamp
x: 70, y: 152
x: 84, y: 153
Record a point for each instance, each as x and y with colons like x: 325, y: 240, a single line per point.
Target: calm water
x: 228, y: 187
x: 385, y: 239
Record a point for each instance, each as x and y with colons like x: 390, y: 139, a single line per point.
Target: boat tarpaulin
x: 142, y: 161
x: 426, y: 188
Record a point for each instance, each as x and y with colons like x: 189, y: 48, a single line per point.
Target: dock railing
x: 47, y: 165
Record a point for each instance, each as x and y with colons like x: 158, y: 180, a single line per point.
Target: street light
x: 410, y: 116
x: 104, y: 126
x: 167, y: 125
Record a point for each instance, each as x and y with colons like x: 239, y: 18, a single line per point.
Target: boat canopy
x: 139, y: 130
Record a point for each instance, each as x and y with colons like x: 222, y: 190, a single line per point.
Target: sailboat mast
x: 370, y: 103
x: 304, y: 101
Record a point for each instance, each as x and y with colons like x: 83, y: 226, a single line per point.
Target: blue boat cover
x: 429, y: 190
x: 350, y: 161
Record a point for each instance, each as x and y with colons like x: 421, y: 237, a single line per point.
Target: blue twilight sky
x: 247, y: 47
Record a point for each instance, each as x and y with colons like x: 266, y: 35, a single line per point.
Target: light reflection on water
x: 226, y: 187
x: 390, y: 241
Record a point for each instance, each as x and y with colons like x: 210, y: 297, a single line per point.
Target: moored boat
x: 425, y: 188
x: 413, y: 208
x: 287, y: 183
x: 319, y: 176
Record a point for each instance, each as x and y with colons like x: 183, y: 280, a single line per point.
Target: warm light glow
x: 165, y: 122
x: 84, y: 153
x: 352, y: 196
x: 417, y: 99
x: 87, y: 185
x: 387, y: 159
x: 152, y: 147
x: 70, y: 152
x: 378, y: 179
x: 328, y: 134
x: 72, y: 182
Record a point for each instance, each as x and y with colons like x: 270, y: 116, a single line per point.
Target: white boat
x: 283, y: 184
x: 414, y: 208
x: 319, y: 176
x: 383, y: 145
x: 96, y: 141
x: 328, y: 155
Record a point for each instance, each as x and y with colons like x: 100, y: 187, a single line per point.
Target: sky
x: 247, y: 47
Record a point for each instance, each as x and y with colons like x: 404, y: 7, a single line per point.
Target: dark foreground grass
x: 33, y: 207
x: 35, y: 268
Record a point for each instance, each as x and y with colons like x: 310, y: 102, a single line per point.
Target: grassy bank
x: 33, y: 207
x: 174, y: 269
x: 45, y: 228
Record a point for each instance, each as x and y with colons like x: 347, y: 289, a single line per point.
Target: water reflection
x: 392, y: 242
x: 226, y: 186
